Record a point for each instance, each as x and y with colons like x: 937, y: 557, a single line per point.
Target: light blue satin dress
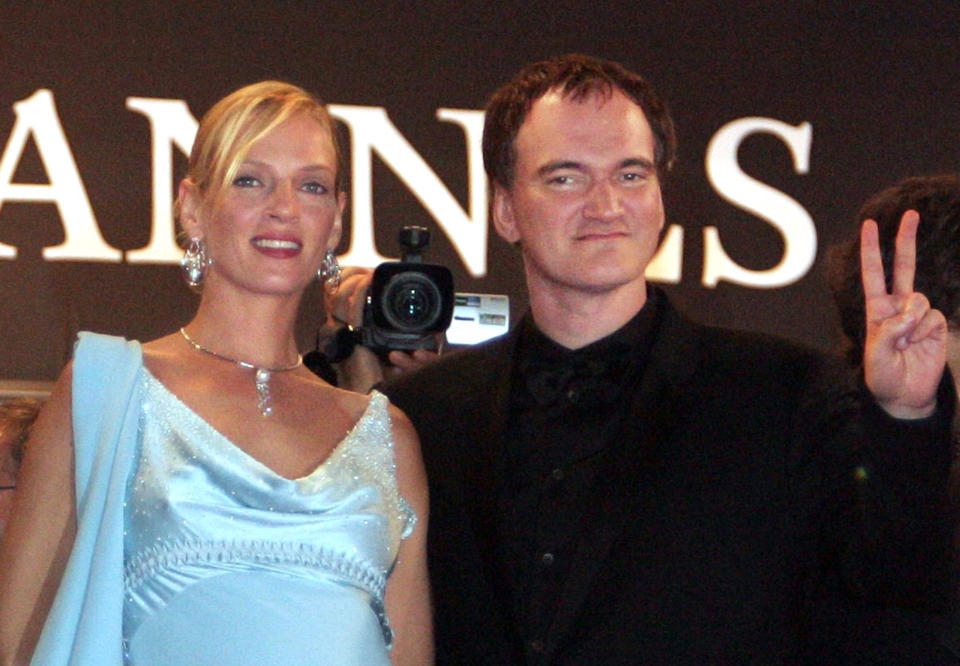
x: 227, y: 562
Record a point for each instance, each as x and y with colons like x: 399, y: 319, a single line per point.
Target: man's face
x: 585, y: 204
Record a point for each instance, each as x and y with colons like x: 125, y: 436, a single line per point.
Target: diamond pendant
x: 262, y: 382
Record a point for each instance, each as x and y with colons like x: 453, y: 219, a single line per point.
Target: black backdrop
x: 876, y: 82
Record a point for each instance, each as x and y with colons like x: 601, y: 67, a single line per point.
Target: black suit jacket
x: 739, y: 491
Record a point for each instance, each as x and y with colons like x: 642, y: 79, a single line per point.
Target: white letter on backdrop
x: 171, y: 124
x: 371, y: 130
x: 37, y: 116
x: 784, y: 213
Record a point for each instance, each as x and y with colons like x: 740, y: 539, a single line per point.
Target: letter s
x: 784, y: 213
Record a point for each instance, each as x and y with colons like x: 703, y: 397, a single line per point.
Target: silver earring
x: 329, y: 272
x: 194, y: 263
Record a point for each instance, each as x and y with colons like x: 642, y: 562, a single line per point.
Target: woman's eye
x: 245, y: 181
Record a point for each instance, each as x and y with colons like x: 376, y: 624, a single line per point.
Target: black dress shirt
x: 564, y: 408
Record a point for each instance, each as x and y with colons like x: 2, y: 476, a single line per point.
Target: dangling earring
x: 329, y: 272
x: 194, y: 263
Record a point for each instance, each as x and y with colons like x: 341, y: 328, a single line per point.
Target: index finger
x: 350, y: 271
x: 346, y: 304
x: 871, y: 262
x: 905, y: 256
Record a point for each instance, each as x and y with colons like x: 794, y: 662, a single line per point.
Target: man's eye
x: 560, y: 180
x: 315, y: 188
x: 245, y: 181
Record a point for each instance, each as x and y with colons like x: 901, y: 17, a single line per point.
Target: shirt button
x: 558, y: 474
x: 573, y: 395
x: 547, y: 559
x: 537, y: 646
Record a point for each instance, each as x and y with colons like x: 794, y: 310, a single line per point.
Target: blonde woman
x: 203, y: 497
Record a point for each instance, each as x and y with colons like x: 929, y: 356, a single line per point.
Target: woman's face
x: 268, y: 229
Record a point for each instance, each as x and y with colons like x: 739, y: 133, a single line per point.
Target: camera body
x: 408, y: 301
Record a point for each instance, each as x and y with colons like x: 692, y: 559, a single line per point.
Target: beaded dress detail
x: 228, y: 562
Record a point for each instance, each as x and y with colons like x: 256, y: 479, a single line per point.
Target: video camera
x: 408, y: 301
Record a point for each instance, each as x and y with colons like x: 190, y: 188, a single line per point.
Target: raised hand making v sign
x: 906, y: 339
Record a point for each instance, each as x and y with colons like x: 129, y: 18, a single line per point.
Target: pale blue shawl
x: 85, y: 624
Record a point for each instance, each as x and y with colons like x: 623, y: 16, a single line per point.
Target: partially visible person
x: 203, y: 498
x: 866, y: 634
x: 16, y: 417
x: 936, y: 199
x: 612, y: 483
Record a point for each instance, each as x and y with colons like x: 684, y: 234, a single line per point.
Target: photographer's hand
x: 402, y: 362
x: 346, y: 305
x: 361, y: 370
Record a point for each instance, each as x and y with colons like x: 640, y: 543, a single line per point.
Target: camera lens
x: 411, y: 302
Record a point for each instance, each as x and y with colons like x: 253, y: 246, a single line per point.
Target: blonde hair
x: 236, y: 122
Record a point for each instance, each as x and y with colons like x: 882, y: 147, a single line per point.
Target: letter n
x: 171, y: 124
x: 371, y: 130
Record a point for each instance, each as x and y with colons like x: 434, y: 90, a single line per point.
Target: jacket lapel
x: 484, y: 474
x: 491, y: 392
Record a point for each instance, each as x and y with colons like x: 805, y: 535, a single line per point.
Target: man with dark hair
x: 576, y: 77
x: 937, y: 200
x: 871, y: 635
x: 613, y: 484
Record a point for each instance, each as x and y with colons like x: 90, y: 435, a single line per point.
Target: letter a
x: 37, y: 116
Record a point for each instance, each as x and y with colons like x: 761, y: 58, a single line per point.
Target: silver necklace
x: 261, y: 375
